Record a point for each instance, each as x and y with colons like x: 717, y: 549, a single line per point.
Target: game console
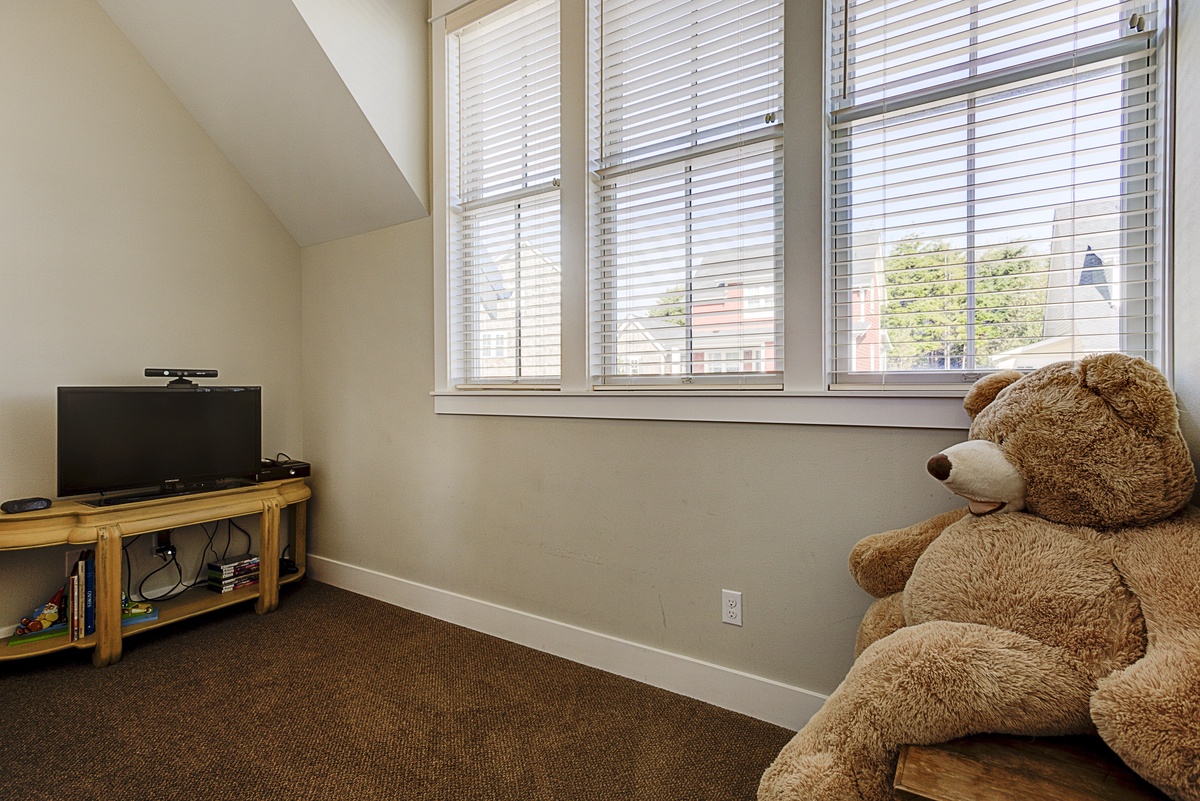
x: 272, y: 470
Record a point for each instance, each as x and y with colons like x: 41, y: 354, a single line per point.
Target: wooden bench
x: 996, y: 767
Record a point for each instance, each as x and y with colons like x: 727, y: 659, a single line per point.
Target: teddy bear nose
x: 939, y: 466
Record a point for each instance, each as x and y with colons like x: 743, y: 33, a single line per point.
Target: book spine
x: 224, y: 588
x: 233, y: 574
x: 236, y: 581
x: 224, y: 574
x: 225, y: 566
x: 89, y: 602
x: 75, y: 606
x: 252, y: 569
x: 235, y: 571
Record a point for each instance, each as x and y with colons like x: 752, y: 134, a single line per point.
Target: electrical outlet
x: 163, y: 546
x: 731, y: 607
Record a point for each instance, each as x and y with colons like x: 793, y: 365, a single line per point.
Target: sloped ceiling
x: 255, y: 76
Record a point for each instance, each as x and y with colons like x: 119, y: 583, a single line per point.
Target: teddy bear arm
x: 926, y: 684
x: 882, y: 563
x: 1148, y: 714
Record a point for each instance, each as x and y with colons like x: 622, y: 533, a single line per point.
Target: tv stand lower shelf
x: 103, y: 528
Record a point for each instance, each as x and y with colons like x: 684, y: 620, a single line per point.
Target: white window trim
x: 805, y: 397
x: 935, y: 411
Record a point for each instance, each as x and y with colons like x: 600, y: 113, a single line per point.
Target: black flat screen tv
x: 157, y: 440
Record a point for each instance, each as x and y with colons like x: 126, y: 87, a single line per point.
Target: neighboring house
x: 735, y: 332
x: 732, y: 331
x: 871, y: 343
x: 1083, y: 296
x: 516, y: 322
x: 650, y: 346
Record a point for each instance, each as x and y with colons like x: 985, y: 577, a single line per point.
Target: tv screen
x: 159, y: 438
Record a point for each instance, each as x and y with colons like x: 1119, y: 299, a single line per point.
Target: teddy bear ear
x: 985, y: 390
x: 1135, y: 390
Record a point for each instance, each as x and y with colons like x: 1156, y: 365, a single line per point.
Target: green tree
x: 929, y: 314
x: 671, y: 306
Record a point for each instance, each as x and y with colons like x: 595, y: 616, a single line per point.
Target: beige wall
x: 126, y: 241
x: 629, y: 528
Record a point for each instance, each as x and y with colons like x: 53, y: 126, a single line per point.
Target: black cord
x: 247, y: 533
x: 201, y: 577
x: 169, y: 593
x: 128, y: 577
x: 128, y: 567
x: 228, y: 541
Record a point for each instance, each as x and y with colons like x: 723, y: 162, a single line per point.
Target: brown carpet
x: 336, y: 696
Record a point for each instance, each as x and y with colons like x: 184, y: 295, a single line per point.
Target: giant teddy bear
x: 1065, y: 599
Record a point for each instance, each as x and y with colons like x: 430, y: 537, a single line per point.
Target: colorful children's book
x: 137, y: 612
x: 48, y: 620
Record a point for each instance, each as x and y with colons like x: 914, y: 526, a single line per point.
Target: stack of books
x: 227, y: 575
x: 81, y: 593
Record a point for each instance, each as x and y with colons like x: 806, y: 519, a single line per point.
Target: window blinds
x: 995, y: 186
x: 687, y: 285
x: 504, y: 249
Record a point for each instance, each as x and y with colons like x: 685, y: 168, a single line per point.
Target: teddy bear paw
x: 808, y: 777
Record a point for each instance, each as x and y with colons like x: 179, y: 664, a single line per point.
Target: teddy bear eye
x: 1000, y: 440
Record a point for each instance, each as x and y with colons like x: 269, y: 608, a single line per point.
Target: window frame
x: 805, y: 396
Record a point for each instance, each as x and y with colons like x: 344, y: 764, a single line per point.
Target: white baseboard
x: 781, y: 704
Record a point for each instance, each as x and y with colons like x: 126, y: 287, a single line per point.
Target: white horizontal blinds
x: 687, y: 286
x: 995, y: 177
x: 505, y: 264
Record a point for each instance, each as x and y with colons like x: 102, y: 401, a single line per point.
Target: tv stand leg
x: 298, y: 533
x: 108, y: 596
x: 268, y: 558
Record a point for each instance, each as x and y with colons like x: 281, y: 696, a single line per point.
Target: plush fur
x: 1065, y: 599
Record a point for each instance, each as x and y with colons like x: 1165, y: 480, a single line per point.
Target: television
x: 155, y: 441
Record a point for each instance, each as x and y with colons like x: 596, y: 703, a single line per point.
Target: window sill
x: 843, y: 408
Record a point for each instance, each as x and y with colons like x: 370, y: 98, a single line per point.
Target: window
x: 689, y: 184
x: 504, y: 167
x: 625, y: 209
x: 995, y: 186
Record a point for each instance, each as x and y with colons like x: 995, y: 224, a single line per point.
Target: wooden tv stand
x: 103, y: 528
